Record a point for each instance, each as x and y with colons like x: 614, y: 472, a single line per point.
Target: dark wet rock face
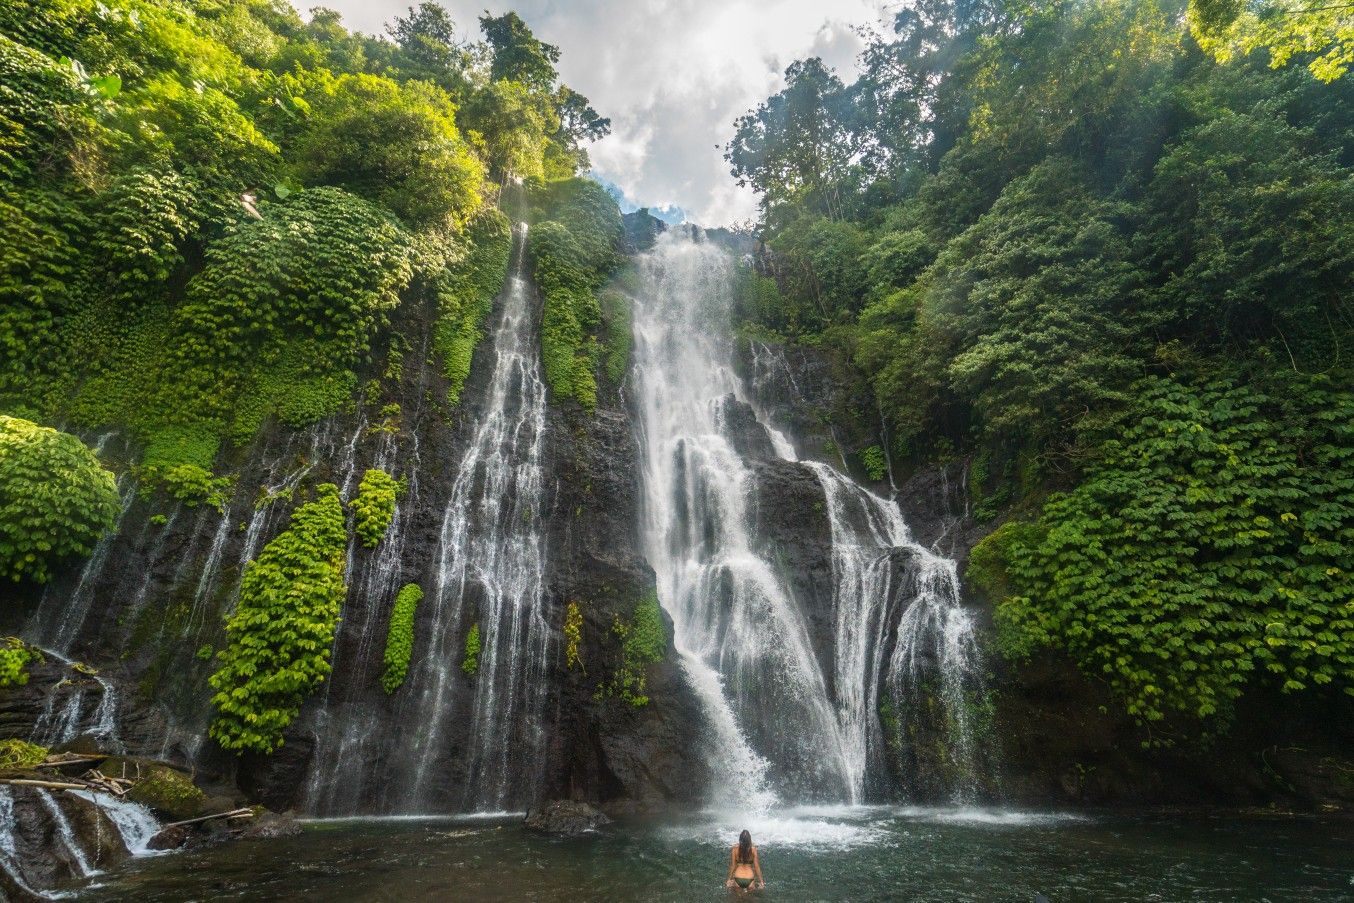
x: 626, y: 757
x: 566, y: 818
x: 55, y: 837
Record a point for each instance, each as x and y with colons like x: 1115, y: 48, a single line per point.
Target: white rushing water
x: 490, y: 572
x: 781, y: 724
x: 743, y: 640
x: 65, y: 834
x: 135, y: 823
x: 56, y: 725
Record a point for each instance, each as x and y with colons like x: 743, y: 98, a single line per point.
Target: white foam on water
x: 812, y: 828
x: 456, y: 819
x: 976, y: 815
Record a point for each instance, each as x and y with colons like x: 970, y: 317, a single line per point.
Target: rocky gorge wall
x: 1063, y: 739
x: 146, y: 610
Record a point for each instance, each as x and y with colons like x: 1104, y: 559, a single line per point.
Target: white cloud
x: 672, y: 75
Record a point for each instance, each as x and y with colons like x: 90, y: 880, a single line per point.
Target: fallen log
x: 46, y: 785
x: 53, y: 762
x: 234, y: 813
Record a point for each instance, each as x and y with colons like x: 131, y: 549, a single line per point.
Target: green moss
x: 56, y: 499
x: 282, y: 629
x: 573, y: 635
x: 471, y: 663
x: 20, y: 754
x: 374, y: 506
x: 465, y: 297
x: 643, y: 642
x: 170, y: 793
x: 400, y: 637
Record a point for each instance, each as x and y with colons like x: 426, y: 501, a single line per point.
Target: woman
x: 744, y: 866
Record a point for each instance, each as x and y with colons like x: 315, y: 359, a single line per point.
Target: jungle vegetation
x: 1102, y: 254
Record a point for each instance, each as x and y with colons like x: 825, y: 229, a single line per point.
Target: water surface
x: 808, y: 854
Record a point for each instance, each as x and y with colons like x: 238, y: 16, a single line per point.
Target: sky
x: 673, y: 75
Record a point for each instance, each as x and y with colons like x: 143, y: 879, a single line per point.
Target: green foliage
x: 400, y: 637
x: 328, y: 267
x: 572, y: 254
x: 1210, y: 546
x: 470, y: 664
x: 374, y: 506
x: 465, y: 297
x: 643, y: 642
x: 573, y: 635
x: 617, y: 318
x: 56, y: 499
x: 20, y: 754
x: 876, y: 464
x: 15, y: 657
x: 177, y: 254
x: 1285, y: 28
x: 282, y: 629
x: 395, y: 144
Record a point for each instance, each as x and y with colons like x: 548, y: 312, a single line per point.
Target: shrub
x: 471, y: 663
x: 400, y: 637
x: 876, y: 465
x: 15, y: 657
x: 1209, y: 545
x: 282, y: 630
x: 374, y: 507
x: 56, y: 499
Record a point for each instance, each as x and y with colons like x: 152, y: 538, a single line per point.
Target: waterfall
x: 898, y: 627
x: 348, y: 732
x: 66, y: 834
x: 54, y: 727
x: 57, y: 622
x: 743, y: 639
x: 490, y: 571
x: 135, y: 823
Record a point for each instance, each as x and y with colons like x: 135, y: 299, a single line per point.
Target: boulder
x: 566, y: 818
x: 170, y: 793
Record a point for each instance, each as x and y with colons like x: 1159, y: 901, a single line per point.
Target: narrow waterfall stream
x: 490, y: 572
x: 792, y: 729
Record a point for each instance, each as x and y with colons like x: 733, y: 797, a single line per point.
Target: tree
x: 429, y: 49
x: 1285, y: 28
x: 397, y: 144
x: 517, y: 54
x: 796, y: 148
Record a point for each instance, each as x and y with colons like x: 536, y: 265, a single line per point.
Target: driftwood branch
x: 234, y: 813
x: 48, y: 785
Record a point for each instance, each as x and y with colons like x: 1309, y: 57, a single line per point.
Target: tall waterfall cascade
x: 489, y: 572
x: 786, y: 722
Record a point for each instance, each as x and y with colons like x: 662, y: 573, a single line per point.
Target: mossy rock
x: 168, y: 793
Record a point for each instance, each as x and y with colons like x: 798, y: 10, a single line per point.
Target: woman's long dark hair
x: 745, y: 847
